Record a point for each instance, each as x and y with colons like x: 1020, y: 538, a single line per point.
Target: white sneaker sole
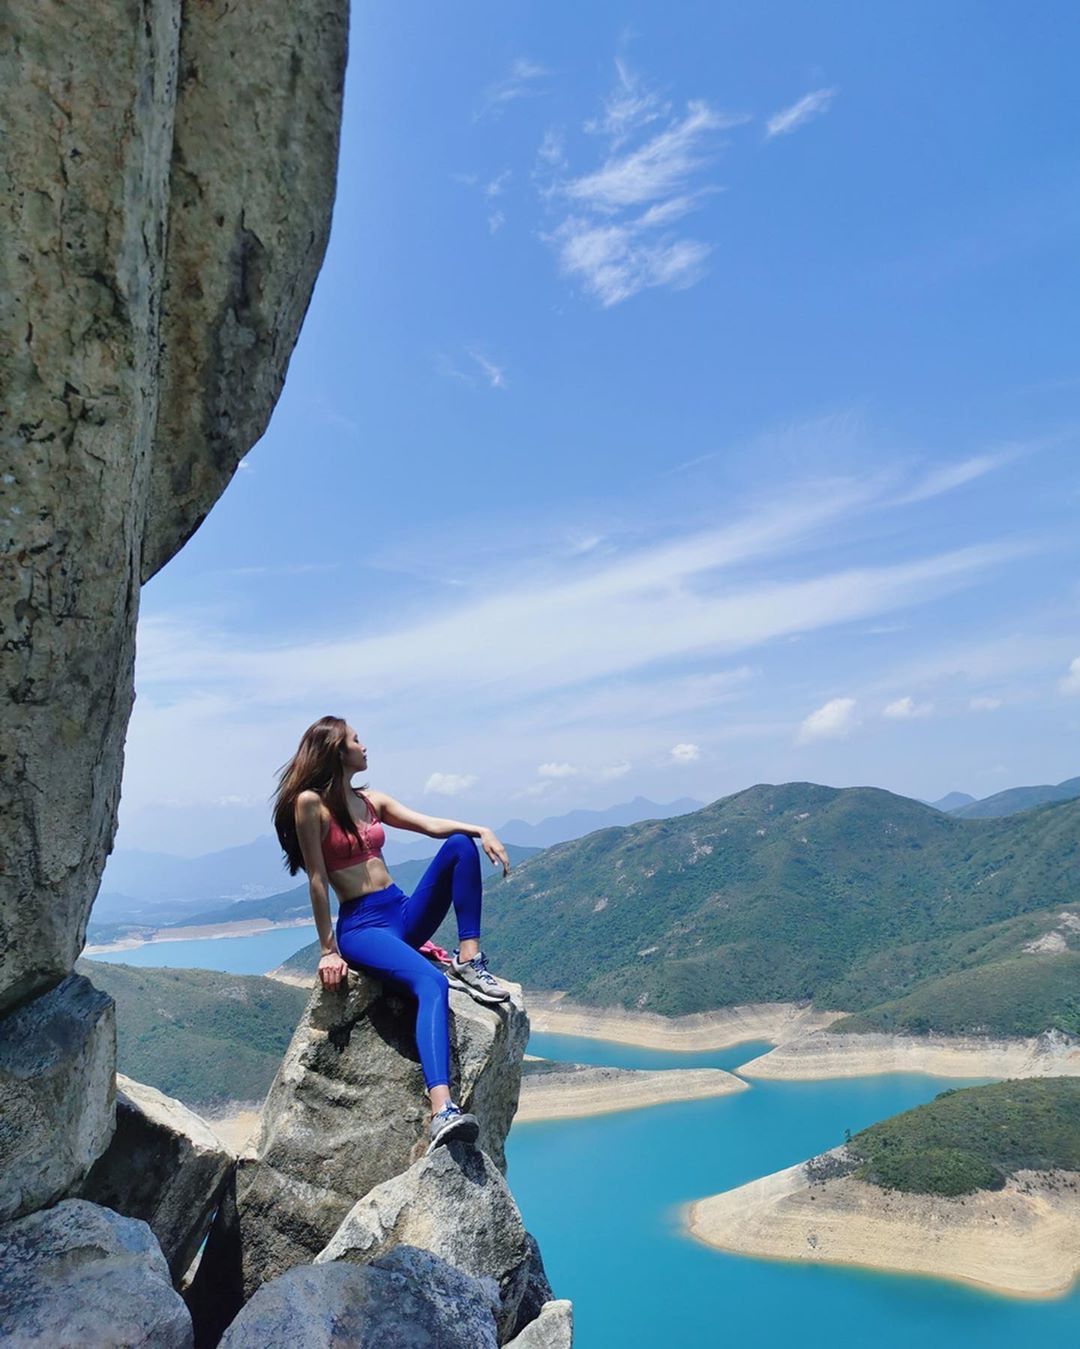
x: 491, y: 999
x: 461, y: 1130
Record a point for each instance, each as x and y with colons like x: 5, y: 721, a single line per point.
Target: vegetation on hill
x: 974, y: 1138
x: 1021, y: 997
x: 1016, y: 799
x: 847, y: 898
x: 208, y: 1039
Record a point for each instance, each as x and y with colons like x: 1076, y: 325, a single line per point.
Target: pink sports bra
x: 341, y: 850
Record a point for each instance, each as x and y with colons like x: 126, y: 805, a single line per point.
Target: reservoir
x: 603, y: 1197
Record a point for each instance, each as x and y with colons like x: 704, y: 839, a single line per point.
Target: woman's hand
x: 332, y: 969
x: 494, y: 850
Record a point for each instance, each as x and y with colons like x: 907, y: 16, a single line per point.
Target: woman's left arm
x: 401, y: 817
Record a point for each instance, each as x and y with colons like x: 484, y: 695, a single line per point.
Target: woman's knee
x: 459, y: 844
x: 434, y: 988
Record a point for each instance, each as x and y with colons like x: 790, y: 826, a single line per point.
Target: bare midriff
x: 364, y: 878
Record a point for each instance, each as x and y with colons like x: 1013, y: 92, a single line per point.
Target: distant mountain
x: 134, y: 880
x: 953, y: 801
x: 1016, y: 799
x: 578, y: 823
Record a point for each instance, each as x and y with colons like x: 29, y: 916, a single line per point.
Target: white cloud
x: 494, y: 374
x: 448, y: 784
x: 496, y: 220
x: 685, y: 753
x: 617, y: 238
x: 552, y: 149
x: 1070, y: 683
x: 628, y: 107
x: 612, y: 771
x: 950, y: 476
x: 788, y: 119
x: 906, y: 709
x: 830, y: 722
x: 660, y: 168
x: 523, y: 81
x: 557, y: 770
x: 497, y: 186
x: 984, y: 704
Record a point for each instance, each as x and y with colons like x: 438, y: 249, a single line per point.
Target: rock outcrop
x: 169, y: 171
x: 81, y: 1277
x: 164, y: 1165
x: 455, y: 1204
x: 57, y: 1060
x: 345, y: 1113
x: 552, y: 1329
x: 409, y: 1299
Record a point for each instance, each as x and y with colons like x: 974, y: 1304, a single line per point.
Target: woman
x: 334, y: 832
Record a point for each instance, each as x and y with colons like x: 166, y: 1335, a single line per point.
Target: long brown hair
x: 316, y: 766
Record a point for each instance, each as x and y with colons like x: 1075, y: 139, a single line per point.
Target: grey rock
x: 537, y: 1288
x: 164, y: 1165
x: 347, y: 1111
x: 81, y: 1277
x: 57, y: 1061
x: 167, y: 175
x: 409, y: 1301
x: 455, y: 1204
x: 552, y: 1329
x: 254, y: 157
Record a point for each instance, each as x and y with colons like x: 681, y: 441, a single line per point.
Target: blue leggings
x: 382, y: 931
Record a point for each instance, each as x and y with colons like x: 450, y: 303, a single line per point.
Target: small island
x: 554, y: 1090
x: 981, y: 1184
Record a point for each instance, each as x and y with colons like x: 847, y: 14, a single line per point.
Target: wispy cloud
x: 685, y: 753
x: 486, y: 369
x: 947, y: 477
x: 494, y: 374
x: 617, y: 238
x: 1070, y: 683
x: 448, y: 784
x: 984, y: 703
x: 789, y: 119
x: 525, y: 80
x: 558, y: 770
x: 830, y: 722
x: 906, y: 709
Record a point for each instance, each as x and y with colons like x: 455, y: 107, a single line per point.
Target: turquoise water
x: 232, y: 955
x: 603, y: 1194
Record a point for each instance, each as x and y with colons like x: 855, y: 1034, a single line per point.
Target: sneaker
x: 452, y: 1125
x: 475, y: 978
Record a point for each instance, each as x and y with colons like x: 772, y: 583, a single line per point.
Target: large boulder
x: 552, y: 1329
x: 408, y: 1300
x: 164, y: 1165
x: 346, y: 1112
x: 166, y: 183
x: 455, y: 1204
x: 57, y: 1061
x: 537, y: 1291
x: 81, y: 1277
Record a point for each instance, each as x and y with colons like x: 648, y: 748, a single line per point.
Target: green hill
x: 1016, y: 799
x: 849, y: 898
x: 208, y: 1039
x: 973, y: 1139
x: 1021, y: 997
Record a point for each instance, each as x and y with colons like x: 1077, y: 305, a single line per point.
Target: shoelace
x: 479, y: 964
x: 447, y: 1112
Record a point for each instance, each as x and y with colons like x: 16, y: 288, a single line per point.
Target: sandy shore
x: 244, y: 927
x: 237, y: 1131
x: 772, y: 1021
x: 1023, y: 1240
x: 570, y: 1090
x: 825, y: 1054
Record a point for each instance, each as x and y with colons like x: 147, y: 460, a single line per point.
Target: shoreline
x: 575, y: 1090
x: 775, y: 1022
x: 1022, y: 1241
x: 822, y: 1055
x: 242, y: 927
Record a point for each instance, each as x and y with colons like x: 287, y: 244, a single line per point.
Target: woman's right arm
x: 332, y: 969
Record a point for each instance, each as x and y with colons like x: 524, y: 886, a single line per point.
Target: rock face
x: 408, y: 1300
x: 57, y: 1059
x: 169, y: 175
x: 346, y: 1112
x: 164, y: 1165
x: 552, y: 1329
x: 80, y: 1277
x: 537, y: 1290
x: 455, y: 1204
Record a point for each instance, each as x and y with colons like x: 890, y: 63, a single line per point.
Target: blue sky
x: 690, y: 398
